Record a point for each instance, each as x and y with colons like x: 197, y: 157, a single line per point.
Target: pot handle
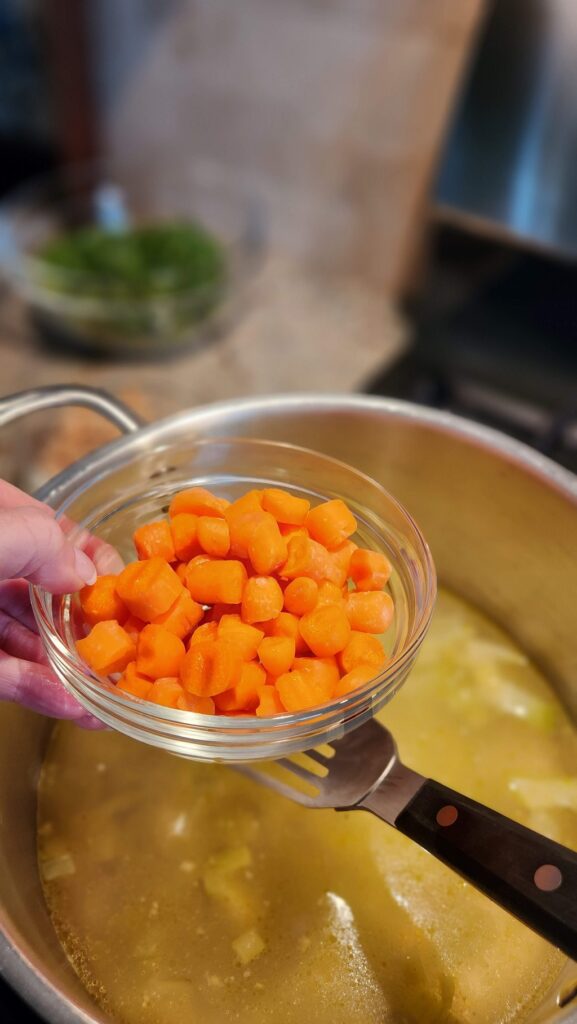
x: 12, y: 407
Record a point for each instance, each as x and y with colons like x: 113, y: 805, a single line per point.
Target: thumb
x: 33, y: 546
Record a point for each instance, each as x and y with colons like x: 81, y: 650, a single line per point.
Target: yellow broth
x: 187, y: 894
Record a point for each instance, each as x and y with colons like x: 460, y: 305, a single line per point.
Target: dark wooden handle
x: 530, y: 876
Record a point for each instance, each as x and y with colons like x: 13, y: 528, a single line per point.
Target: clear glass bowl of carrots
x: 272, y: 598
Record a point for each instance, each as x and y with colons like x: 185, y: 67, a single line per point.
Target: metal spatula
x: 532, y: 877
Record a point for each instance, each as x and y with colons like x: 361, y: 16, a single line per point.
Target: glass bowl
x: 118, y: 314
x: 114, y: 506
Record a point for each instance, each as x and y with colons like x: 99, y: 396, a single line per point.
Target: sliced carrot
x: 184, y: 530
x: 210, y: 667
x: 307, y: 557
x: 159, y: 653
x: 285, y: 507
x: 182, y: 616
x: 108, y: 648
x: 148, y: 588
x: 199, y: 502
x: 132, y: 682
x: 244, y: 696
x: 286, y: 624
x: 371, y: 612
x: 292, y: 531
x: 326, y: 630
x: 100, y: 602
x: 329, y: 593
x: 330, y: 523
x: 207, y: 631
x: 276, y: 654
x: 154, y: 539
x: 181, y: 569
x: 370, y: 570
x: 244, y: 636
x: 301, y: 595
x: 242, y: 516
x: 218, y: 581
x: 262, y: 599
x: 299, y: 692
x: 357, y: 677
x: 269, y: 703
x: 341, y: 558
x: 167, y: 692
x: 200, y: 705
x: 267, y: 548
x: 214, y: 536
x: 362, y: 649
x: 325, y: 669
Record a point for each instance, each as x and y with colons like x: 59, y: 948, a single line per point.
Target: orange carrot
x: 181, y: 569
x: 262, y: 599
x: 184, y: 530
x: 371, y: 612
x: 301, y: 595
x: 269, y: 703
x: 182, y: 616
x: 242, y: 516
x: 214, y: 536
x: 341, y: 559
x: 133, y: 625
x: 244, y: 696
x: 221, y: 581
x: 329, y: 593
x: 307, y: 557
x: 154, y: 539
x: 300, y: 693
x: 159, y: 653
x: 134, y: 683
x: 276, y: 654
x: 362, y: 649
x: 207, y: 631
x: 267, y: 548
x: 244, y: 636
x: 148, y: 588
x: 370, y: 570
x: 199, y: 705
x: 108, y: 648
x: 326, y: 630
x: 357, y: 677
x: 210, y: 667
x: 286, y: 624
x: 199, y: 502
x: 326, y: 670
x: 100, y: 602
x: 285, y: 507
x: 167, y: 692
x: 331, y: 523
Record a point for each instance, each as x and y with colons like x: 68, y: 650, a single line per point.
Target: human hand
x: 34, y: 549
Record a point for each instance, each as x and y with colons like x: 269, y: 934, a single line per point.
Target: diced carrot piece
x: 292, y: 531
x: 301, y: 595
x: 154, y: 540
x: 267, y: 548
x: 323, y: 669
x: 108, y: 648
x: 362, y: 649
x: 100, y: 602
x: 357, y: 677
x: 285, y: 507
x: 329, y: 593
x: 262, y: 599
x: 341, y: 558
x: 133, y: 625
x: 181, y: 568
x: 326, y: 630
x: 299, y: 692
x: 286, y: 624
x: 214, y: 536
x: 242, y: 516
x: 200, y: 705
x: 370, y: 570
x: 214, y: 582
x: 207, y: 631
x: 244, y: 696
x: 184, y: 530
x: 132, y: 682
x: 307, y: 557
x: 148, y: 588
x: 331, y: 523
x: 276, y: 654
x: 159, y: 653
x: 269, y: 703
x: 210, y: 667
x: 199, y: 502
x: 244, y: 636
x: 167, y: 692
x: 371, y: 612
x: 182, y: 616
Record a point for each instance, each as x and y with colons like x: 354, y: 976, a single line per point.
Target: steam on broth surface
x: 184, y: 892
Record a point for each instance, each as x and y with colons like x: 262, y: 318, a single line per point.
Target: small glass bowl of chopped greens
x: 131, y: 262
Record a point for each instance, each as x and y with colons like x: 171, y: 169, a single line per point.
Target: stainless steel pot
x: 502, y: 524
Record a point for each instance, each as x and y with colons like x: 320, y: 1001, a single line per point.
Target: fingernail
x: 84, y: 567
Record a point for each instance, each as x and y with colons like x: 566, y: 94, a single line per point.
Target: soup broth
x: 187, y: 894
